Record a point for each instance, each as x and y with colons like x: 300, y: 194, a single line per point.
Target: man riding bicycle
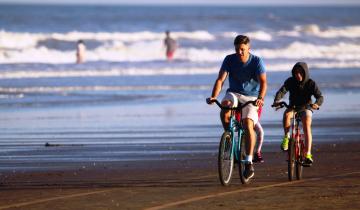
x: 301, y: 89
x: 247, y: 82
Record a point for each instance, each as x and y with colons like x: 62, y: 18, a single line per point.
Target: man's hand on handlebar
x: 210, y: 100
x: 259, y: 102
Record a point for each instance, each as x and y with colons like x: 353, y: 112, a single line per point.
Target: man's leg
x: 229, y: 100
x: 250, y: 134
x: 225, y: 118
x: 249, y: 116
x: 225, y: 114
x: 250, y: 144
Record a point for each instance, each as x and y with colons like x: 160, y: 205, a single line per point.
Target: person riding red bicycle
x: 301, y: 89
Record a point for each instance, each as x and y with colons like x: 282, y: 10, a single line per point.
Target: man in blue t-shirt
x: 247, y: 82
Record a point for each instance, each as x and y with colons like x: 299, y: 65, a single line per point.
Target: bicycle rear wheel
x: 225, y: 158
x: 242, y: 156
x: 291, y: 159
x: 299, y: 161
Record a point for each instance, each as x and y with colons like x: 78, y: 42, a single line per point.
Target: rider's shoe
x: 258, y: 158
x: 249, y: 170
x: 285, y: 144
x: 308, y: 160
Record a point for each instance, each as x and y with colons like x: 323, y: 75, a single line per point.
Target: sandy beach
x: 332, y: 183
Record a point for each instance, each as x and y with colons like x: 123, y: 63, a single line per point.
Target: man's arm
x: 263, y: 88
x: 218, y: 84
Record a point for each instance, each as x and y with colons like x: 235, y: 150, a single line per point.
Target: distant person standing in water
x: 80, y: 51
x: 170, y: 45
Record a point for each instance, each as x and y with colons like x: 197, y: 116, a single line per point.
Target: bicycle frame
x: 297, y: 136
x: 236, y: 145
x: 235, y: 127
x: 296, y: 150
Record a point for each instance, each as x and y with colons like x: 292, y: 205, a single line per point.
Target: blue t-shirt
x: 243, y: 77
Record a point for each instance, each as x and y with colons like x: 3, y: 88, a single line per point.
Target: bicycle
x: 296, y: 149
x: 232, y: 149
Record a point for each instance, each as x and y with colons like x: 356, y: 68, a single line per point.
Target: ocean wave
x: 19, y: 41
x: 104, y: 73
x: 254, y: 35
x: 270, y: 65
x: 300, y: 50
x: 24, y: 40
x: 330, y: 32
x: 154, y: 51
x: 19, y: 91
x: 313, y: 30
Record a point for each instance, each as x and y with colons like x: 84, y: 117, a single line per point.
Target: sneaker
x: 308, y: 160
x: 285, y: 144
x: 249, y: 171
x: 258, y: 158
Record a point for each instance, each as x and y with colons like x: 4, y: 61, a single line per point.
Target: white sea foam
x: 14, y: 40
x: 148, y: 47
x: 255, y: 35
x: 270, y: 66
x: 153, y: 51
x: 298, y: 50
x: 330, y: 32
x: 104, y: 73
x: 18, y: 92
x: 9, y: 40
x: 8, y: 96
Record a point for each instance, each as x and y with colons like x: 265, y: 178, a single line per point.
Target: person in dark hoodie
x: 301, y: 89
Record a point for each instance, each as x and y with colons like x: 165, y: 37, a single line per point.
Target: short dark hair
x: 241, y: 39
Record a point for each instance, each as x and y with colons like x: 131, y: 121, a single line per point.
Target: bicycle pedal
x: 306, y: 165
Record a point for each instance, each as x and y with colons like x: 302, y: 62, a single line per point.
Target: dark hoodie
x: 300, y: 92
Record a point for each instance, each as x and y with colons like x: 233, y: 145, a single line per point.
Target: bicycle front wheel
x: 299, y: 161
x: 242, y: 156
x: 291, y: 159
x: 225, y: 158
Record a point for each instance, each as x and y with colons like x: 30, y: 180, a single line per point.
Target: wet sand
x: 192, y: 183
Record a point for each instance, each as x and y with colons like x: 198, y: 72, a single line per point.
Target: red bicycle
x: 296, y: 151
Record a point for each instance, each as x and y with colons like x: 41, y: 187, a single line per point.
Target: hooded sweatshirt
x: 300, y: 92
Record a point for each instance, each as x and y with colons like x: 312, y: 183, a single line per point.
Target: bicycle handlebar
x: 208, y: 101
x: 282, y: 104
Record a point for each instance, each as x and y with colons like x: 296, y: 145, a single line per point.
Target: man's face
x: 242, y: 50
x: 298, y: 74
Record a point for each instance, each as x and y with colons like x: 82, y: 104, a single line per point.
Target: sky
x: 191, y: 2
